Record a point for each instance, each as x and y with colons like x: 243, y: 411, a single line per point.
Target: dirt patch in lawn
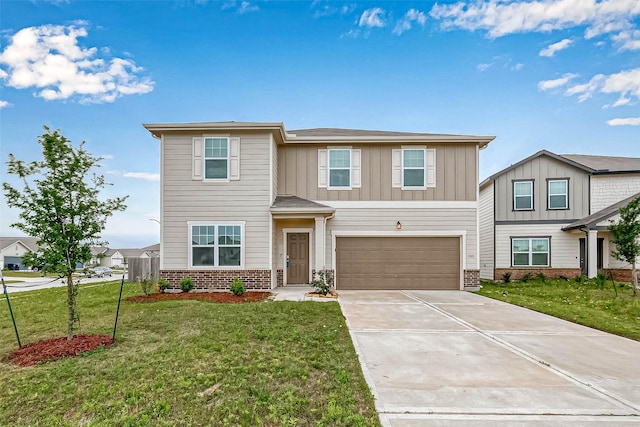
x: 57, y: 348
x: 217, y: 297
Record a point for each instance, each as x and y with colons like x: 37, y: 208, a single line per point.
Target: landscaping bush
x: 146, y: 284
x: 600, y: 280
x: 525, y: 277
x: 186, y: 284
x: 163, y: 285
x: 237, y: 287
x: 323, y: 282
x: 506, y: 277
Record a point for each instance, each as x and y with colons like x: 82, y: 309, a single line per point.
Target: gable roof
x: 29, y: 242
x: 96, y: 250
x: 152, y: 248
x: 591, y: 221
x: 317, y: 135
x: 294, y: 204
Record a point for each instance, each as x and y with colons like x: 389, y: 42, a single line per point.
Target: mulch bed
x: 219, y: 297
x: 57, y: 348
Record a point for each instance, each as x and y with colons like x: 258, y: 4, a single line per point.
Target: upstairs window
x: 413, y: 168
x: 216, y: 158
x: 558, y: 191
x: 339, y: 168
x: 523, y: 195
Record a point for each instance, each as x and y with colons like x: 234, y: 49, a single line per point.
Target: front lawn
x: 582, y: 301
x: 185, y: 363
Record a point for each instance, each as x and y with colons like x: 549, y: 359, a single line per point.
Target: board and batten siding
x: 185, y: 199
x: 456, y: 173
x: 609, y: 189
x: 540, y: 169
x: 564, y: 246
x: 438, y: 220
x: 486, y: 232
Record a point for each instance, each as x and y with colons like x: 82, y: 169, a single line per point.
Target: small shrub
x: 323, y: 282
x: 580, y: 279
x: 186, y: 284
x: 525, y: 277
x: 506, y: 277
x: 600, y: 280
x: 541, y: 277
x: 146, y: 284
x: 237, y: 287
x: 163, y: 285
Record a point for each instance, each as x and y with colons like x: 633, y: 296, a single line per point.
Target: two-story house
x: 381, y: 210
x: 550, y: 214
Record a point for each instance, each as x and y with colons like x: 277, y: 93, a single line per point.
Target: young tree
x: 59, y: 206
x: 626, y: 236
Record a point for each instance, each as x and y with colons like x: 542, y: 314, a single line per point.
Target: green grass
x: 18, y: 274
x: 185, y: 363
x: 583, y: 302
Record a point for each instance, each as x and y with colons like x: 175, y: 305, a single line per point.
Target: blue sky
x: 562, y: 75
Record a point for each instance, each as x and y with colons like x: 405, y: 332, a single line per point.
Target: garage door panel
x: 398, y: 263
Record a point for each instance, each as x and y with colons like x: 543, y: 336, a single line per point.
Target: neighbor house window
x: 413, y: 168
x: 523, y: 195
x: 216, y: 245
x: 339, y: 168
x: 530, y: 252
x: 216, y: 158
x: 558, y: 194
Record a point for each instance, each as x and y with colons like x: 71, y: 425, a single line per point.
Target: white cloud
x: 372, y: 18
x: 4, y: 104
x: 49, y: 59
x: 628, y: 40
x: 483, y: 67
x: 142, y: 175
x: 552, y: 84
x: 551, y: 50
x: 413, y: 15
x: 240, y: 7
x: 500, y: 18
x: 629, y: 121
x: 626, y: 84
x: 518, y: 66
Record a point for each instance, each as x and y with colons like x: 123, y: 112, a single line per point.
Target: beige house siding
x: 609, y: 189
x: 540, y: 169
x: 185, y: 199
x: 486, y: 232
x: 413, y: 220
x: 564, y: 247
x: 456, y: 174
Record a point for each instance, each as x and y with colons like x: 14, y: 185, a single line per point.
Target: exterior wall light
x: 398, y: 226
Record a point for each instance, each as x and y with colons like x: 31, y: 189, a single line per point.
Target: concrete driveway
x: 445, y: 358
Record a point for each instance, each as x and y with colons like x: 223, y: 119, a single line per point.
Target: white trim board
x: 399, y: 204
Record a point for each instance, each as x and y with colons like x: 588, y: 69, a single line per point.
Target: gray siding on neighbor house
x: 185, y: 199
x: 540, y: 169
x: 456, y: 173
x: 486, y: 232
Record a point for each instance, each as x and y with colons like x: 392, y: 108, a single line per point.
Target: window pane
x: 203, y: 256
x: 339, y: 158
x: 229, y: 235
x: 520, y: 245
x: 340, y: 178
x: 540, y: 259
x: 557, y: 202
x: 523, y: 202
x: 229, y: 256
x: 414, y: 177
x: 523, y: 188
x: 413, y: 158
x: 202, y: 235
x: 215, y: 147
x: 540, y: 245
x: 521, y: 259
x: 557, y: 187
x: 215, y: 169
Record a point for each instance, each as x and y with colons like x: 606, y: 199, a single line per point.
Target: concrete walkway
x: 450, y: 358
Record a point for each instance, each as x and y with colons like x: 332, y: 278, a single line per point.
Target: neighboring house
x: 97, y: 254
x: 550, y: 214
x: 152, y: 250
x: 12, y: 249
x: 382, y: 210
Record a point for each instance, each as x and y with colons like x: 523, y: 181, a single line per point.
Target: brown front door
x: 297, y: 258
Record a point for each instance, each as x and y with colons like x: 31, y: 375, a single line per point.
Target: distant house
x: 97, y: 254
x: 272, y: 206
x: 12, y: 249
x: 550, y: 214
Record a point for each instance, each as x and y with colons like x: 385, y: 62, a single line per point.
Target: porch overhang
x: 593, y: 221
x: 294, y: 207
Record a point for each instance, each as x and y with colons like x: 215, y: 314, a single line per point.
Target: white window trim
x: 205, y: 158
x: 242, y: 225
x: 515, y: 206
x: 531, y: 252
x: 424, y: 169
x: 565, y: 194
x: 329, y: 168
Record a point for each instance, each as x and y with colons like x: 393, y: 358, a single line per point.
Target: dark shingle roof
x: 611, y: 164
x: 592, y: 220
x: 297, y: 204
